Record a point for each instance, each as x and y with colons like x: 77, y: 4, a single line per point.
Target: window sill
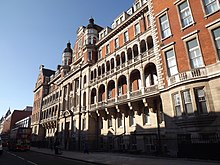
x: 184, y: 28
x: 208, y: 15
x: 170, y: 36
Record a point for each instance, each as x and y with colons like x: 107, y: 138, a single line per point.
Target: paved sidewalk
x: 105, y: 158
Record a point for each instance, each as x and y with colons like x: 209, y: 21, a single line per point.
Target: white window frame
x: 137, y: 29
x: 177, y: 104
x: 126, y: 37
x: 190, y: 16
x: 137, y: 5
x: 164, y: 26
x: 107, y: 49
x: 211, y: 26
x: 201, y: 98
x: 197, y: 61
x: 216, y: 39
x: 212, y: 3
x: 187, y: 100
x: 116, y: 43
x: 173, y: 58
x: 100, y: 54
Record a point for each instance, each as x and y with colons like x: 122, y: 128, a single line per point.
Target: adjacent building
x: 10, y: 120
x: 41, y: 89
x: 146, y: 84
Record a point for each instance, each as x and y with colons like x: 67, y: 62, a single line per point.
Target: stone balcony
x: 187, y: 76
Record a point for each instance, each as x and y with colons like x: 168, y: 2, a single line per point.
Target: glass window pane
x: 187, y: 102
x: 163, y: 18
x: 183, y: 5
x: 177, y: 107
x: 201, y: 101
x: 171, y: 63
x: 185, y: 14
x: 216, y: 36
x: 194, y: 54
x: 192, y: 44
x: 178, y: 111
x: 165, y: 29
x: 210, y: 6
x: 216, y: 32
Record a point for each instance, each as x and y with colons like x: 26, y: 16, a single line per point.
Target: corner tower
x: 67, y: 55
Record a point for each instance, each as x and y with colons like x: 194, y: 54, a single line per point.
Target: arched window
x: 150, y: 43
x: 129, y: 54
x: 150, y: 75
x: 93, y: 96
x: 143, y: 46
x: 112, y: 64
x: 135, y: 50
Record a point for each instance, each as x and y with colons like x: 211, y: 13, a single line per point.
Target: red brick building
x: 41, y: 89
x: 16, y: 115
x: 188, y: 36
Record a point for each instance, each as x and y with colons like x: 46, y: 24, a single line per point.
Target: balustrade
x: 188, y: 75
x: 122, y: 97
x: 135, y: 93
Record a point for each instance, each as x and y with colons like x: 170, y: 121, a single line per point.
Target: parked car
x: 1, y: 149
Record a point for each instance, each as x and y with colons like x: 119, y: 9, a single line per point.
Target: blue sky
x: 35, y: 32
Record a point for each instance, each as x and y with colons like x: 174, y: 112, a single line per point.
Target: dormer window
x: 137, y: 5
x: 102, y: 35
x: 117, y: 22
x: 121, y: 19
